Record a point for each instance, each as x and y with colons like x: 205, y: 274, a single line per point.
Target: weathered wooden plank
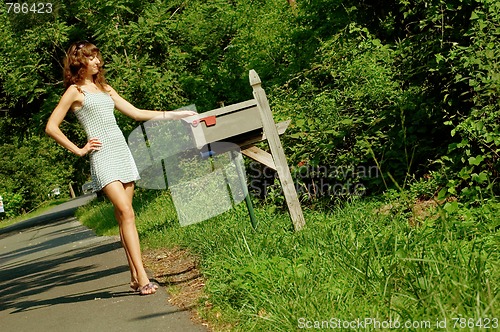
x: 259, y: 155
x: 277, y: 152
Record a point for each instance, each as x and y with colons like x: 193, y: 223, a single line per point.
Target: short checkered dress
x: 113, y: 162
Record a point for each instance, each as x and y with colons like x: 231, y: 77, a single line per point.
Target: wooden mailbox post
x: 245, y: 124
x: 278, y: 155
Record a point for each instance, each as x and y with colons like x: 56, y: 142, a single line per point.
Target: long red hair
x: 76, y: 62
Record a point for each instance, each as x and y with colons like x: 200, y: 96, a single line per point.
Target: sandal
x: 148, y: 289
x: 134, y: 285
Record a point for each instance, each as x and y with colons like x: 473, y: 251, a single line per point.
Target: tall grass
x: 348, y: 265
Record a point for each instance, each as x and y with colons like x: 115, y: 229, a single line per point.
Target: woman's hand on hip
x: 92, y: 145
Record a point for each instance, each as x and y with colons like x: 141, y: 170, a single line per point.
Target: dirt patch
x: 177, y: 270
x: 420, y: 210
x: 423, y: 210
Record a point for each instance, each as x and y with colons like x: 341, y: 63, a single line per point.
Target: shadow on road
x: 25, y: 278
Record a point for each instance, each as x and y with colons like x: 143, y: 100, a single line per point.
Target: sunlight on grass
x: 99, y: 216
x: 356, y: 261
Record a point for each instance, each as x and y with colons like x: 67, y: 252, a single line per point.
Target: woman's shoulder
x: 74, y: 89
x: 74, y: 96
x: 107, y: 88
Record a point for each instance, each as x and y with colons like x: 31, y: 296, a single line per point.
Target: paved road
x: 56, y: 275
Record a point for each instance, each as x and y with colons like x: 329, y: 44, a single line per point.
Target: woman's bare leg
x: 129, y: 190
x: 134, y: 284
x: 120, y: 196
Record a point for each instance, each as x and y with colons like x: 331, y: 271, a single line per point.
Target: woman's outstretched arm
x: 137, y: 114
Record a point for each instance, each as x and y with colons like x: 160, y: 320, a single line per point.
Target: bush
x: 12, y: 203
x: 473, y: 160
x: 30, y: 172
x: 349, y: 114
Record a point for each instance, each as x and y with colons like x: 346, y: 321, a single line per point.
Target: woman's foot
x: 148, y: 289
x: 134, y: 284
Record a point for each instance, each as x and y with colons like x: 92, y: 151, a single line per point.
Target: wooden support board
x: 260, y: 155
x: 277, y: 152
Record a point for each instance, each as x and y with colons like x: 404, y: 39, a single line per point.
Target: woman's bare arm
x: 137, y: 114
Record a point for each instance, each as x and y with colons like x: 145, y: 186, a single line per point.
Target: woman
x: 113, y: 169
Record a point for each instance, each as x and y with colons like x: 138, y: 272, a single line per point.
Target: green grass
x: 354, y: 262
x: 41, y: 209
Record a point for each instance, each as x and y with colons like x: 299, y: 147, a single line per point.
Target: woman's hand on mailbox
x: 177, y: 115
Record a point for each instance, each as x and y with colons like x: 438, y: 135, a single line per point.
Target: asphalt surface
x: 57, y: 275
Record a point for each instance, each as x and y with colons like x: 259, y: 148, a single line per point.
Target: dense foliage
x: 408, y: 88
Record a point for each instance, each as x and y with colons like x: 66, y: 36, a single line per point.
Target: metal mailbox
x: 229, y: 123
